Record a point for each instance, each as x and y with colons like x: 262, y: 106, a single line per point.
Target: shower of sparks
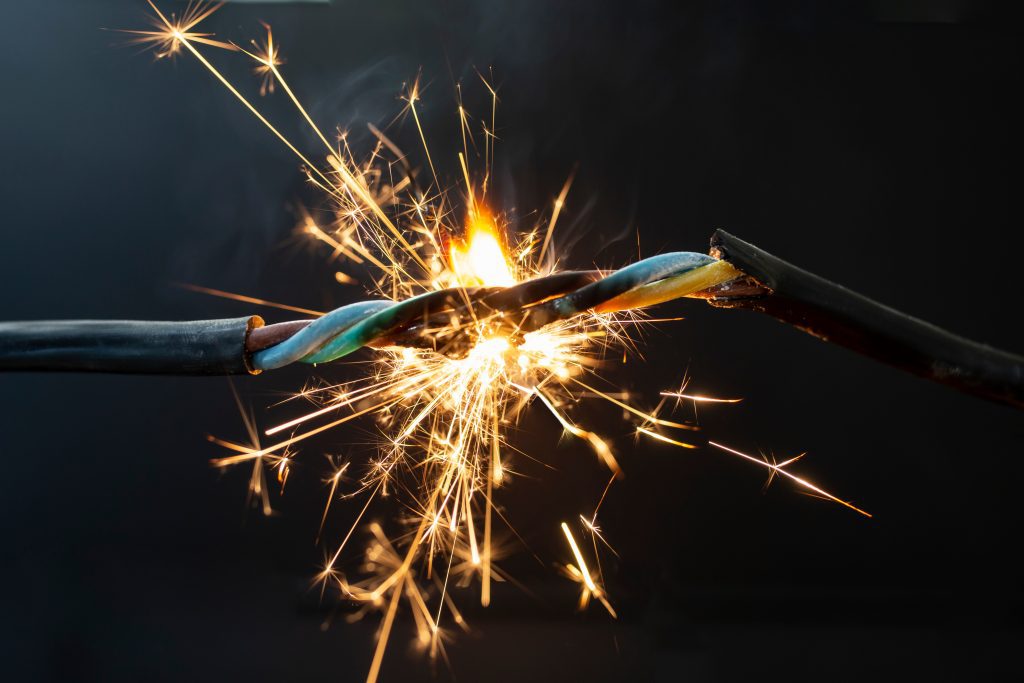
x: 443, y: 421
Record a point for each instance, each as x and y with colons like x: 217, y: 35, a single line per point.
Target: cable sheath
x: 840, y: 316
x: 199, y: 347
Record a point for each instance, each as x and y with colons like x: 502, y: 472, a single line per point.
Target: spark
x: 168, y: 35
x: 779, y: 469
x: 268, y: 58
x: 580, y: 573
x: 333, y: 483
x: 248, y: 299
x: 344, y: 279
x: 662, y: 437
x: 443, y: 449
x: 555, y: 213
x: 700, y: 399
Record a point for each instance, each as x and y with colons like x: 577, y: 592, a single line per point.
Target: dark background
x: 874, y: 144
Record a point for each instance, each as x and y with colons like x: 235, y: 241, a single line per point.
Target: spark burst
x: 444, y: 420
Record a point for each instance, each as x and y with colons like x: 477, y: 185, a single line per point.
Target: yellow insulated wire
x: 671, y: 288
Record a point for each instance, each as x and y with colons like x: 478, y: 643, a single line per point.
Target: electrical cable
x: 735, y: 275
x: 352, y: 327
x: 200, y: 347
x: 840, y: 316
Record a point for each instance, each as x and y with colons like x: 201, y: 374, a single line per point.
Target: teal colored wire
x: 319, y: 332
x: 364, y: 332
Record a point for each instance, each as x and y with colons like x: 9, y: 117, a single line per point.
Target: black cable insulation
x: 840, y: 316
x: 199, y: 347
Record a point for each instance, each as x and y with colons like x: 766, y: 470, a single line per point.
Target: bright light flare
x: 480, y: 260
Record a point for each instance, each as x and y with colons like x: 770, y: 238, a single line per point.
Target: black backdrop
x: 875, y: 145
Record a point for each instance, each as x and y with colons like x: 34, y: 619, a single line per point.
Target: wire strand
x: 362, y: 324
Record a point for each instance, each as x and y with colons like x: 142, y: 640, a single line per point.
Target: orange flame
x: 480, y: 260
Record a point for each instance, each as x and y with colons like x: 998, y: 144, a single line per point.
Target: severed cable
x: 735, y: 275
x: 840, y: 316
